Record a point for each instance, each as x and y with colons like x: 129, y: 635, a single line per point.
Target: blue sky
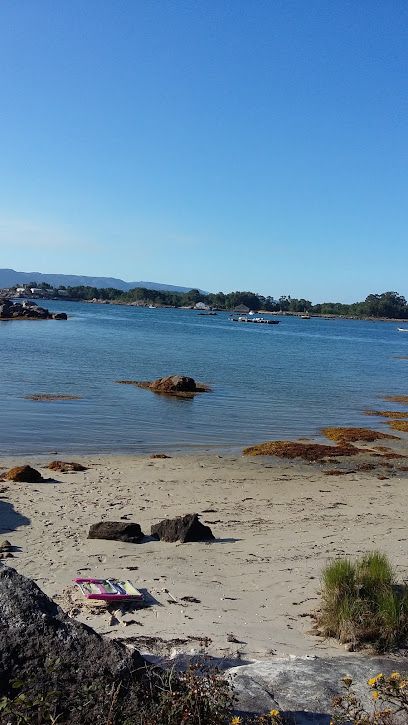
x: 223, y: 144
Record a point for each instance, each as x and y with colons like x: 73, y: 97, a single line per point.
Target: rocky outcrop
x: 304, y: 687
x: 183, y: 528
x: 48, y: 652
x: 27, y: 310
x: 179, y: 385
x: 128, y: 532
x: 25, y: 474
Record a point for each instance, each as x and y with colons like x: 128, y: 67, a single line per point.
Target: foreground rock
x: 128, y: 532
x: 179, y: 385
x: 183, y: 528
x: 305, y: 687
x: 27, y: 310
x: 25, y: 474
x: 50, y: 652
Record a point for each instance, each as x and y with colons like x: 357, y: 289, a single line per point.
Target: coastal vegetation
x: 363, y: 604
x: 384, y: 305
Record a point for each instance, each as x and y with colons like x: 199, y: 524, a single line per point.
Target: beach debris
x: 336, y: 472
x: 49, y: 397
x: 36, y: 633
x: 159, y: 455
x: 128, y: 532
x: 65, y: 466
x: 308, y: 451
x: 232, y: 638
x: 183, y: 528
x: 179, y: 385
x: 192, y: 600
x: 344, y: 436
x: 24, y: 474
x: 166, y: 591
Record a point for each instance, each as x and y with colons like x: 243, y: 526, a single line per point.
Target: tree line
x: 386, y: 304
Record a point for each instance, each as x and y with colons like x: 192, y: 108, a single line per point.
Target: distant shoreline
x: 121, y: 303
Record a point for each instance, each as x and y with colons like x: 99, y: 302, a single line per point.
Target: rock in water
x: 183, y: 528
x: 49, y: 652
x: 174, y: 384
x: 24, y: 473
x: 128, y: 532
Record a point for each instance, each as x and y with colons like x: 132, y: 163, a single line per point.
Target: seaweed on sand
x: 344, y: 436
x: 307, y: 451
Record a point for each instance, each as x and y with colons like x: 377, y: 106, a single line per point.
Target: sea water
x: 269, y: 382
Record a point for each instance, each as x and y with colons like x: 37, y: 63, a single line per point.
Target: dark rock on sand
x: 50, y: 652
x: 65, y: 466
x: 130, y: 533
x: 183, y: 528
x: 24, y: 474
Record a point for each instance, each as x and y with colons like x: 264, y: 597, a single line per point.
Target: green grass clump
x: 362, y: 603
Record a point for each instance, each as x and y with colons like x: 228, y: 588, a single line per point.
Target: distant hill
x: 9, y: 277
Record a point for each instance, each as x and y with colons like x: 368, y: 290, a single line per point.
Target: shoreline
x: 276, y: 523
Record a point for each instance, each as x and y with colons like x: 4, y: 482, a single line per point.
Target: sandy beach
x: 276, y: 525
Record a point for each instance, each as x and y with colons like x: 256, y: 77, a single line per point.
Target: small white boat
x: 403, y: 329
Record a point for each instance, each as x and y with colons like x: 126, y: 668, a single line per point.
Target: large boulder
x: 183, y: 528
x: 25, y: 474
x: 304, y: 687
x: 48, y: 652
x: 126, y: 531
x: 174, y: 384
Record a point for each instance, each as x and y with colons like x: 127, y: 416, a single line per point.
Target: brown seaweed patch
x: 66, y: 466
x: 365, y: 467
x: 401, y: 425
x: 307, y: 451
x: 335, y: 472
x: 387, y: 413
x: 399, y: 357
x: 50, y: 396
x: 395, y: 398
x: 351, y: 435
x: 402, y: 468
x: 159, y: 455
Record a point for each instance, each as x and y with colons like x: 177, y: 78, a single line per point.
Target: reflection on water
x: 269, y: 381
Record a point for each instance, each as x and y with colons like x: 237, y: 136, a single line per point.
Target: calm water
x: 269, y: 382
